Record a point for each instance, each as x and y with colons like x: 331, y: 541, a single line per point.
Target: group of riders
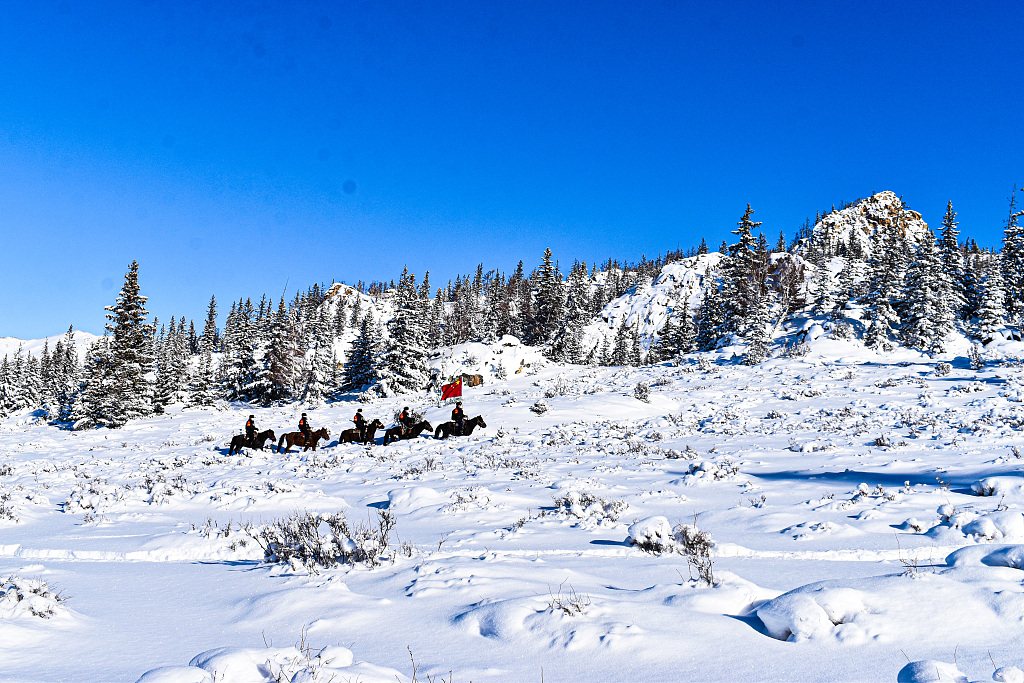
x: 405, y: 420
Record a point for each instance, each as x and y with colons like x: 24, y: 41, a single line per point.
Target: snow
x: 859, y: 506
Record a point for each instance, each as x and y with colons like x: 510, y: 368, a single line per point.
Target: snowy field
x: 862, y: 514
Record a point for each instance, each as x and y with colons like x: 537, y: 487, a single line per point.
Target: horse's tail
x: 280, y: 442
x: 438, y: 430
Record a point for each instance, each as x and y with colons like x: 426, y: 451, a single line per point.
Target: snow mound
x: 271, y: 665
x: 654, y: 533
x: 999, y: 486
x: 816, y: 611
x: 930, y: 671
x: 413, y: 498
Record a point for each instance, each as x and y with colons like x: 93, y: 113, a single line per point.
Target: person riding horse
x: 360, y: 424
x: 406, y: 420
x: 304, y: 427
x: 250, y: 429
x: 458, y: 417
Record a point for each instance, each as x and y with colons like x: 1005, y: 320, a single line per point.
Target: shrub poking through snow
x: 642, y: 392
x: 974, y: 356
x: 569, y: 603
x: 324, y: 541
x: 584, y: 505
x: 654, y: 535
x: 29, y: 596
x: 540, y: 407
x: 943, y: 369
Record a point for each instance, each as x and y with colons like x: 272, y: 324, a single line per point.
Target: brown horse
x: 446, y: 429
x: 238, y: 442
x: 395, y: 433
x: 352, y: 435
x: 299, y: 439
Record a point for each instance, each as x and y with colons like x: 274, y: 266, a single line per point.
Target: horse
x: 352, y: 435
x: 299, y: 439
x: 238, y: 442
x: 395, y: 433
x: 446, y: 429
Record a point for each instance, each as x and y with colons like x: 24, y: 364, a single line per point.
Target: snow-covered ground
x: 842, y: 497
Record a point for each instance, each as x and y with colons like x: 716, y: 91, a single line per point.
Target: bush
x: 974, y: 355
x: 32, y: 596
x: 540, y: 407
x: 323, y: 541
x: 943, y: 369
x: 642, y: 392
x: 501, y: 372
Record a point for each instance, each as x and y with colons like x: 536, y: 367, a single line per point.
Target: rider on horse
x: 250, y: 429
x: 406, y: 420
x: 304, y: 427
x: 458, y: 417
x: 360, y: 424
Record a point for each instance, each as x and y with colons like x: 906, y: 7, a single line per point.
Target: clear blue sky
x: 235, y: 148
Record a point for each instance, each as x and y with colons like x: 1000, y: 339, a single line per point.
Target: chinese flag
x: 453, y: 390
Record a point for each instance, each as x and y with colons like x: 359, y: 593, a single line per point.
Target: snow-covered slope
x: 9, y: 345
x: 646, y: 307
x: 857, y: 508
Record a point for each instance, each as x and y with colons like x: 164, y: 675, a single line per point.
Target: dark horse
x: 298, y: 439
x: 446, y: 429
x: 395, y: 433
x: 238, y: 442
x: 352, y: 435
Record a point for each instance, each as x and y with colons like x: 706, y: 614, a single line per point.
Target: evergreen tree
x: 992, y: 311
x: 1012, y: 258
x: 886, y: 286
x: 360, y: 369
x: 550, y: 301
x: 929, y: 319
x: 711, y: 315
x: 130, y: 352
x: 758, y: 335
x: 739, y: 273
x: 567, y: 345
x: 97, y: 401
x: 953, y: 263
x: 677, y: 336
x: 404, y: 365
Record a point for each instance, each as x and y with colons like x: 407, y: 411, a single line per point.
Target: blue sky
x: 236, y: 149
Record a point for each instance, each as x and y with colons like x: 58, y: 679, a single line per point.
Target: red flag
x: 451, y: 391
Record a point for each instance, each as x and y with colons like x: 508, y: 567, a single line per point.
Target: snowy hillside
x: 9, y: 345
x: 865, y: 217
x: 646, y: 307
x: 856, y: 510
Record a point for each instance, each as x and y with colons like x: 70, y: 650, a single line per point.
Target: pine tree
x: 929, y: 319
x: 130, y: 351
x: 567, y: 345
x: 885, y: 288
x: 97, y: 401
x: 360, y: 369
x: 1012, y: 258
x: 758, y: 334
x: 992, y: 312
x: 953, y: 263
x: 404, y: 365
x: 550, y: 301
x: 677, y: 336
x: 739, y: 274
x: 711, y: 314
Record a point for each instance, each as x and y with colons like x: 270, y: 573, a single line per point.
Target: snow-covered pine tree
x: 203, y: 384
x: 319, y: 372
x: 711, y: 314
x: 550, y: 301
x: 130, y: 351
x: 403, y: 368
x: 738, y: 271
x: 677, y: 336
x: 65, y: 376
x: 929, y: 319
x: 360, y: 369
x: 567, y: 345
x: 953, y: 263
x: 96, y: 402
x: 758, y: 334
x: 886, y: 286
x: 992, y: 312
x: 1012, y: 258
x: 280, y: 356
